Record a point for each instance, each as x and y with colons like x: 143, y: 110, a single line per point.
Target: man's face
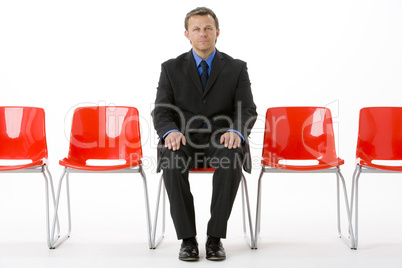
x: 202, y: 34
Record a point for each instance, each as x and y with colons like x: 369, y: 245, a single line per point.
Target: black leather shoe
x: 214, y: 249
x: 189, y: 250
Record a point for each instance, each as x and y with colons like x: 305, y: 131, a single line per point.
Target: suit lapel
x: 217, y: 66
x: 192, y: 71
x: 191, y: 68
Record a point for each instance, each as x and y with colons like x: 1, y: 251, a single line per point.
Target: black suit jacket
x: 226, y: 103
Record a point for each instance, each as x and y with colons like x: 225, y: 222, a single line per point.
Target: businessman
x: 204, y: 111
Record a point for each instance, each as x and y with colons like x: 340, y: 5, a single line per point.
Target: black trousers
x: 202, y: 151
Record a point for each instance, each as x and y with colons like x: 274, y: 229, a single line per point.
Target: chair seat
x: 81, y: 166
x: 202, y: 170
x: 103, y: 139
x: 320, y: 166
x: 17, y: 167
x: 383, y: 167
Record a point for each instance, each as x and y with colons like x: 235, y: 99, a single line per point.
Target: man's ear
x: 187, y: 34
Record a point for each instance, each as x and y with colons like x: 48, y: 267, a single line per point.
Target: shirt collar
x: 209, y: 60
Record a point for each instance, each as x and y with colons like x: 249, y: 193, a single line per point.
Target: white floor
x: 109, y: 230
x: 82, y: 251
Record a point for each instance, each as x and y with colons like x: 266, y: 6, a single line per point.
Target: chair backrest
x: 22, y: 133
x: 299, y: 133
x: 380, y: 134
x: 105, y: 132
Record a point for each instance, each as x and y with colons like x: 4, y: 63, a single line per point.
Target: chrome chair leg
x: 354, y: 201
x: 258, y: 211
x: 246, y: 206
x: 351, y: 241
x: 148, y: 216
x: 49, y: 241
x: 161, y: 191
x: 60, y: 240
x: 49, y: 180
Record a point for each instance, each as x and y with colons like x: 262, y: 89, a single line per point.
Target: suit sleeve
x: 165, y: 114
x: 245, y: 109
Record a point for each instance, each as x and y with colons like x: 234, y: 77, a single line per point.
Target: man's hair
x: 202, y: 11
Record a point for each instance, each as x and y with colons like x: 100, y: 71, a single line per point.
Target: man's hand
x: 174, y: 139
x: 231, y: 140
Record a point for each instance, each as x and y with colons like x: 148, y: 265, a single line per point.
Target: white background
x: 59, y: 55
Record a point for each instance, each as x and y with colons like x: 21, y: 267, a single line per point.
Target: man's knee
x: 227, y: 158
x: 178, y: 159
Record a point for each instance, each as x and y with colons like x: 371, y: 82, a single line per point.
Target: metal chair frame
x: 245, y: 206
x: 355, y: 193
x: 378, y: 139
x: 23, y: 137
x: 48, y: 180
x: 301, y: 133
x: 67, y: 171
x: 102, y: 133
x: 349, y: 241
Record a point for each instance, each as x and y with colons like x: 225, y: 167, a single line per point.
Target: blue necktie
x: 204, y: 74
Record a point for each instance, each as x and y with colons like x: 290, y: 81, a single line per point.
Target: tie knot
x: 204, y: 65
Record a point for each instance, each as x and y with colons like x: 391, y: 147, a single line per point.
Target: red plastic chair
x: 103, y: 133
x: 245, y: 206
x: 300, y: 134
x: 23, y: 140
x: 380, y: 138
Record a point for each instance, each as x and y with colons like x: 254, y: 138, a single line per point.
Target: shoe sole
x: 189, y: 259
x: 216, y: 258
